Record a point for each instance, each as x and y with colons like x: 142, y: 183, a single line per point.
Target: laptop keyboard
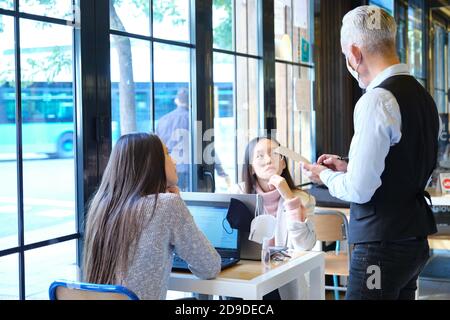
x: 180, y: 264
x: 227, y: 260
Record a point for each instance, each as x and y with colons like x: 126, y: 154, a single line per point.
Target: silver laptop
x: 249, y: 250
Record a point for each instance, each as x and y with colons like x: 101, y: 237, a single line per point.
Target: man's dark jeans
x: 399, y: 263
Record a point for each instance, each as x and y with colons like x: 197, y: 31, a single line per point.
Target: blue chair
x: 72, y: 290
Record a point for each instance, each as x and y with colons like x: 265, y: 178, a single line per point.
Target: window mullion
x: 203, y: 173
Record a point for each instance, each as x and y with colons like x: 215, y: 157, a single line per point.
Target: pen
x: 339, y: 158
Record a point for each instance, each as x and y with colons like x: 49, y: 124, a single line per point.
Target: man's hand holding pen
x: 333, y: 162
x: 326, y: 161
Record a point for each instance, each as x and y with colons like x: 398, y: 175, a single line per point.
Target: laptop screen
x: 211, y: 220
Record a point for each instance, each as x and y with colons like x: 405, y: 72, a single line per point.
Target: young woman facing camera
x: 265, y: 172
x: 136, y: 220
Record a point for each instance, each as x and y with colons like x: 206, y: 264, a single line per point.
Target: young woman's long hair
x: 249, y: 177
x: 115, y: 219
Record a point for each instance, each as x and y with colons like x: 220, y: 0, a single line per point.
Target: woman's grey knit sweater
x: 170, y: 229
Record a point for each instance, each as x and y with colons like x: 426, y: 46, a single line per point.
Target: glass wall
x: 294, y: 78
x: 151, y: 53
x: 8, y: 142
x: 9, y: 277
x: 236, y: 85
x: 440, y: 82
x: 47, y: 130
x: 37, y: 157
x: 387, y: 5
x: 410, y: 16
x: 440, y: 62
x: 416, y: 30
x: 153, y: 63
x: 7, y: 4
x: 64, y: 266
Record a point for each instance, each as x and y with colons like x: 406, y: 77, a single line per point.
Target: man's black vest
x: 398, y: 210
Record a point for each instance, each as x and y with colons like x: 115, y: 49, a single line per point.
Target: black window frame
x: 21, y: 247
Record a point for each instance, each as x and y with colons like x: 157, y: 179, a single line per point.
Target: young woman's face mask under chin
x: 266, y: 163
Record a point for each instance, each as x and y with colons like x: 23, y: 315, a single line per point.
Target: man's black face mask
x: 239, y: 216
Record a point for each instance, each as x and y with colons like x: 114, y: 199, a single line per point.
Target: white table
x: 249, y: 280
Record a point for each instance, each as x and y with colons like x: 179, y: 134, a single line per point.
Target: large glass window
x: 416, y: 54
x: 130, y: 16
x: 8, y: 141
x: 153, y: 60
x: 37, y: 163
x: 150, y: 78
x: 387, y: 5
x: 236, y: 85
x: 9, y: 277
x: 171, y: 20
x: 224, y: 121
x: 7, y: 4
x: 440, y: 84
x: 56, y: 9
x: 59, y: 258
x: 130, y: 86
x: 402, y: 35
x: 410, y: 15
x: 47, y: 130
x: 173, y: 107
x: 439, y: 59
x: 294, y: 78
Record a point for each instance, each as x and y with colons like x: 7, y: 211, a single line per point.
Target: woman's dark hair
x: 136, y: 168
x: 248, y: 177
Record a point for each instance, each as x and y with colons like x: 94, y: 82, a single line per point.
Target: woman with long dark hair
x: 136, y: 220
x: 265, y: 172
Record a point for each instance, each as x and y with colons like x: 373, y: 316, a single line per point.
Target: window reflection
x: 224, y: 121
x: 440, y: 83
x: 415, y: 40
x: 236, y: 86
x: 173, y: 107
x: 293, y: 29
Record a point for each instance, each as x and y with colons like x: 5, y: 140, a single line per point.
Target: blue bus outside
x: 48, y: 114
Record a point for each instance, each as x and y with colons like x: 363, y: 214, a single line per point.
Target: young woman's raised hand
x: 279, y: 183
x: 173, y: 189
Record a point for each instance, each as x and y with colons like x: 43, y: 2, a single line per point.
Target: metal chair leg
x: 335, y: 278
